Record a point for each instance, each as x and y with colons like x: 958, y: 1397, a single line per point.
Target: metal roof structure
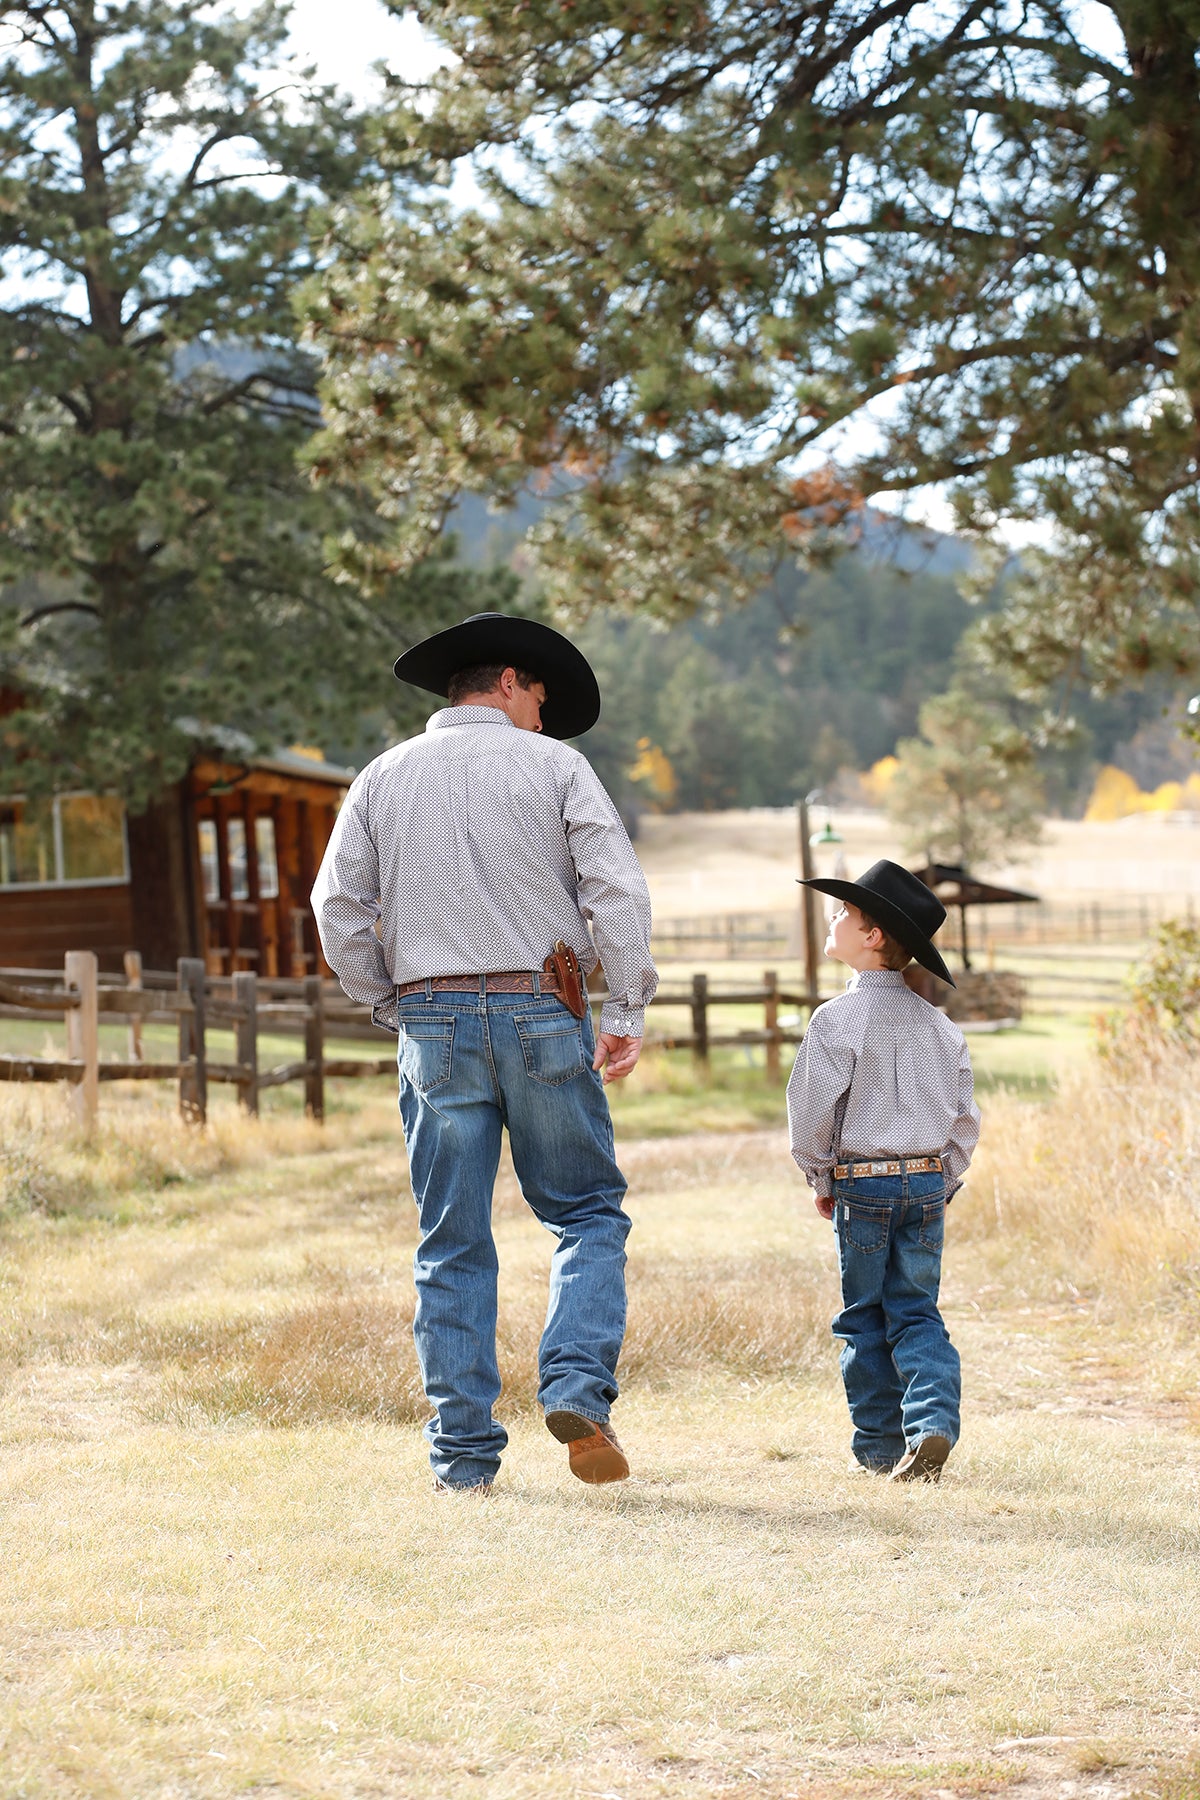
x: 954, y: 886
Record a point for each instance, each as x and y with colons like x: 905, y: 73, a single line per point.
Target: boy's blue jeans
x: 900, y: 1370
x: 471, y: 1064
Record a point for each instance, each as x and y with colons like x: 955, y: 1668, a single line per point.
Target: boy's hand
x: 824, y: 1205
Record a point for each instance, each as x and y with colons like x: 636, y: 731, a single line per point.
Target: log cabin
x: 221, y: 867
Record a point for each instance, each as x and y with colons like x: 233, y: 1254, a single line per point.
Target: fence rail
x: 197, y: 1003
x: 754, y: 934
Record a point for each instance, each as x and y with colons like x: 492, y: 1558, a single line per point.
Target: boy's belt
x: 898, y: 1165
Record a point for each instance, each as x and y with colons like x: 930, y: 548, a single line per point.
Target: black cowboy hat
x: 900, y: 904
x: 572, y: 696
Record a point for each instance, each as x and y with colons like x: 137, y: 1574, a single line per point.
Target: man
x: 476, y: 849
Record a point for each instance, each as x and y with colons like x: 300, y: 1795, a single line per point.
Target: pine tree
x: 166, y: 561
x: 738, y: 267
x: 967, y: 791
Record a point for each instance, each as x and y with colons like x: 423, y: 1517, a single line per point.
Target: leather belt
x: 517, y: 981
x: 898, y: 1165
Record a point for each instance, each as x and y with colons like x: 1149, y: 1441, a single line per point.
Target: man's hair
x: 891, y: 951
x: 483, y: 678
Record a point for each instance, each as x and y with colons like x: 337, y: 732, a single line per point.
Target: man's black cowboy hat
x: 572, y: 695
x: 900, y: 904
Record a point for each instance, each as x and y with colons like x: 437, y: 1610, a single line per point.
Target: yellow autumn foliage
x: 1117, y: 795
x: 654, y: 775
x: 878, y: 779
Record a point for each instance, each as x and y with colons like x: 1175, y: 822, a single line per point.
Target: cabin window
x: 210, y: 867
x: 69, y: 840
x: 268, y: 864
x: 239, y: 874
x: 92, y: 837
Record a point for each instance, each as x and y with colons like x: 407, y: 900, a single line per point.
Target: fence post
x: 245, y: 995
x: 80, y: 971
x: 771, y: 1023
x: 314, y: 1048
x: 193, y: 1082
x: 133, y: 976
x: 700, y: 1020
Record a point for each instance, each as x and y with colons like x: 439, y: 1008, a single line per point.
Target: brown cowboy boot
x: 924, y: 1461
x: 595, y: 1454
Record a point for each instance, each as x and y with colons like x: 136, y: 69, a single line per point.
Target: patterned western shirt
x: 881, y: 1073
x: 475, y: 847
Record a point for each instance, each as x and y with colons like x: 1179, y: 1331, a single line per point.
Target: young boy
x: 883, y: 1123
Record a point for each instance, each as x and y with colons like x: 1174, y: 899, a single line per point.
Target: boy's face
x: 853, y: 939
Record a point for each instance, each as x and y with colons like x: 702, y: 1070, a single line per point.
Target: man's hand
x: 824, y: 1205
x: 616, y: 1055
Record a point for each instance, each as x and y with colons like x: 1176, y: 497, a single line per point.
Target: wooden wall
x: 39, y: 925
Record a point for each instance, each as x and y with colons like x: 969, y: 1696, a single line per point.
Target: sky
x: 344, y: 37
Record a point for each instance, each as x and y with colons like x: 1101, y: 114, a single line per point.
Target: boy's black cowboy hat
x: 900, y: 904
x: 572, y: 696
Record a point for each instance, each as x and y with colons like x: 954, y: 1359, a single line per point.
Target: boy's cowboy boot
x: 924, y: 1461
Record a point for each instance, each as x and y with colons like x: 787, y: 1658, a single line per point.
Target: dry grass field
x: 731, y: 862
x: 225, y: 1572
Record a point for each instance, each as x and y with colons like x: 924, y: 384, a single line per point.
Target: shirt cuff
x: 386, y: 1013
x: 619, y: 1020
x: 822, y: 1186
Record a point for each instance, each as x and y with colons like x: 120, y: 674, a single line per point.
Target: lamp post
x: 809, y: 841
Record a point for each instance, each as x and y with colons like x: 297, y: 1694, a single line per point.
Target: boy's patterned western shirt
x: 881, y: 1073
x: 476, y: 846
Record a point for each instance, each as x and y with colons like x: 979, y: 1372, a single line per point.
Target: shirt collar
x: 468, y: 715
x: 875, y: 978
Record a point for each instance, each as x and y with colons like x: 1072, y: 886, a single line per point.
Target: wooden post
x: 314, y: 1048
x: 245, y: 995
x: 133, y: 975
x: 809, y: 901
x: 193, y: 1083
x: 771, y: 1023
x: 700, y: 1020
x: 81, y: 972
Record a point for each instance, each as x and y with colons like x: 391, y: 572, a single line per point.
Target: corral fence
x: 196, y: 1002
x: 1046, y: 922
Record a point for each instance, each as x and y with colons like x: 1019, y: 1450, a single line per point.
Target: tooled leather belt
x: 518, y: 981
x: 898, y: 1165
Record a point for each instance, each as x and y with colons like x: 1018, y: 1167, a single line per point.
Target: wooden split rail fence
x: 196, y: 1003
x: 700, y: 998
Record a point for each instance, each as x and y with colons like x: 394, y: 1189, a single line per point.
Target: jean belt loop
x: 483, y: 988
x: 537, y: 985
x: 429, y: 987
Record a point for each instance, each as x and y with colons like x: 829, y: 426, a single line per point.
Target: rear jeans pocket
x: 552, y: 1047
x: 426, y: 1052
x: 865, y: 1227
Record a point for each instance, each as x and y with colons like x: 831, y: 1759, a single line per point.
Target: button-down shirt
x: 475, y: 847
x: 881, y: 1073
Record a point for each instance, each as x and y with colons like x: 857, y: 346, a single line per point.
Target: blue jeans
x: 900, y: 1370
x: 471, y: 1064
